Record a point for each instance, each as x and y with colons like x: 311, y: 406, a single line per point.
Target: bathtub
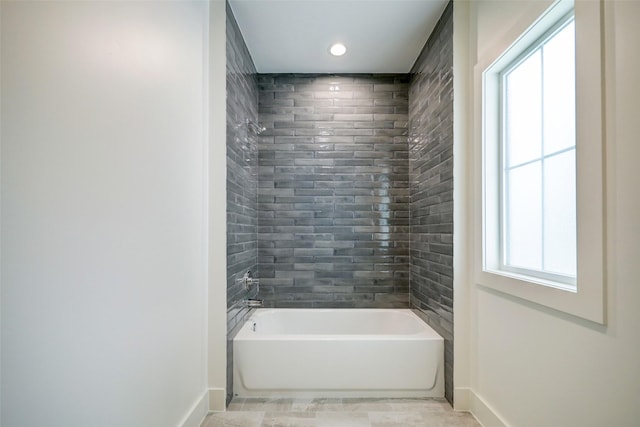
x: 337, y: 353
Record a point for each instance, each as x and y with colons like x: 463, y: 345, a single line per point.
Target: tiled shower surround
x: 346, y: 200
x: 431, y: 176
x: 242, y: 163
x: 333, y: 194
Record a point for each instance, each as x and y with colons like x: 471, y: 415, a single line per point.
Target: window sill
x: 586, y: 300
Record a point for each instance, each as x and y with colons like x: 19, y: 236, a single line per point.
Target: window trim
x: 587, y: 300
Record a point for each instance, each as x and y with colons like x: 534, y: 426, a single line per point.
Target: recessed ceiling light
x: 338, y: 49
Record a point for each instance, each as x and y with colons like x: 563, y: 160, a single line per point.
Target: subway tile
x: 313, y: 117
x: 430, y: 152
x: 375, y: 110
x: 331, y: 94
x: 242, y: 171
x: 358, y: 133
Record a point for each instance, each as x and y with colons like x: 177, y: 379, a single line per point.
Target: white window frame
x: 561, y: 281
x: 586, y: 299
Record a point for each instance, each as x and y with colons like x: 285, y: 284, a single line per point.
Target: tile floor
x: 340, y: 413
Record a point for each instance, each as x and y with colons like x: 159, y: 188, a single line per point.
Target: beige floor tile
x: 366, y: 405
x: 234, y: 419
x: 317, y: 405
x: 235, y: 405
x: 342, y: 419
x: 337, y: 412
x: 394, y: 419
x: 425, y: 405
x: 289, y: 419
x: 449, y: 419
x: 267, y: 405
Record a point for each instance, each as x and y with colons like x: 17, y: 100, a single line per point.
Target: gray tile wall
x: 431, y: 173
x: 333, y: 191
x: 242, y: 184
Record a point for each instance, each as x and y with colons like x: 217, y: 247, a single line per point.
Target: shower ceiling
x: 294, y: 36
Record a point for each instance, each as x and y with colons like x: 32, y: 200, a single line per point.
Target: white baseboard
x: 217, y: 400
x: 197, y: 413
x: 466, y: 399
x: 462, y: 399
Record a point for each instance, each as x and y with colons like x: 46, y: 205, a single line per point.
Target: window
x: 538, y: 209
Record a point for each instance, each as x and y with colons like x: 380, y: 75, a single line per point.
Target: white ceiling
x: 293, y: 36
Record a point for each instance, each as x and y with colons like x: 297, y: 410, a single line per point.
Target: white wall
x: 217, y: 183
x: 104, y: 236
x: 532, y: 366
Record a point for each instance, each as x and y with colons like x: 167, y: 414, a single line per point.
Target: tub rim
x: 426, y: 332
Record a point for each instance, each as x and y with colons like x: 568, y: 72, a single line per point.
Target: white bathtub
x: 337, y: 353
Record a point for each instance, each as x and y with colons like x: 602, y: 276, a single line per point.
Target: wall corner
x: 216, y: 207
